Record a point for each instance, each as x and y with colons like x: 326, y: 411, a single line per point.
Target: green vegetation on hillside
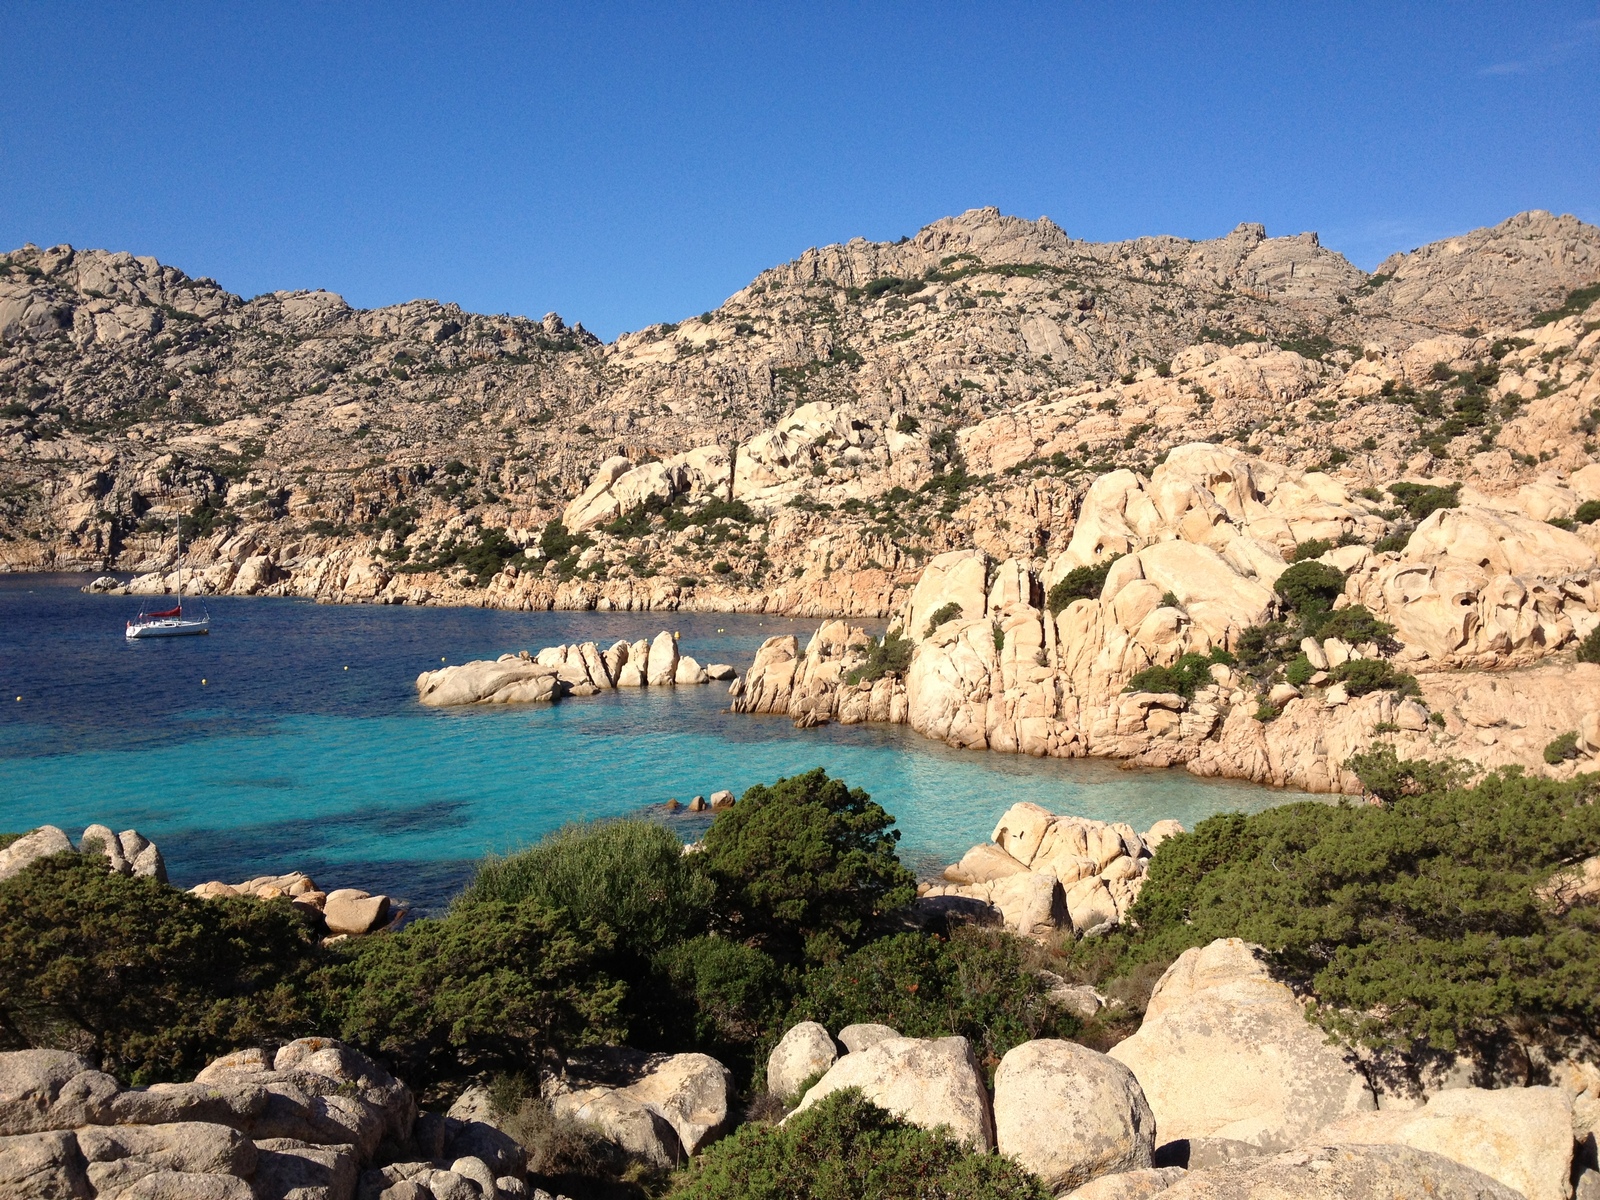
x: 846, y: 1148
x: 1411, y: 922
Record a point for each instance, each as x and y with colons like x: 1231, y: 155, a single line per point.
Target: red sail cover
x: 171, y: 612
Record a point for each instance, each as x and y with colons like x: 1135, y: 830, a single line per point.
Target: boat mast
x: 178, y: 529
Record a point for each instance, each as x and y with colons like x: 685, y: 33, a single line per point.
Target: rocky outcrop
x: 1192, y: 555
x: 1069, y: 1114
x: 342, y: 912
x: 656, y: 1107
x: 1226, y: 1051
x: 1042, y: 873
x: 1519, y: 1136
x: 927, y: 1081
x: 300, y: 1124
x: 127, y: 853
x: 581, y: 669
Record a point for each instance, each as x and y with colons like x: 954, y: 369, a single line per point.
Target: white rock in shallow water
x: 927, y: 1081
x: 1069, y: 1114
x: 511, y: 681
x: 720, y: 671
x: 804, y: 1052
x: 689, y: 671
x: 662, y: 660
x: 352, y: 911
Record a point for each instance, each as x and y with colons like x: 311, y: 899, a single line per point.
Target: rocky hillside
x: 804, y: 448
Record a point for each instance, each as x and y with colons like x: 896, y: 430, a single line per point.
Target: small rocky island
x: 581, y: 669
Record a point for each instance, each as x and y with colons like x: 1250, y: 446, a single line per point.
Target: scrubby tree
x: 148, y: 979
x: 807, y: 857
x: 845, y: 1148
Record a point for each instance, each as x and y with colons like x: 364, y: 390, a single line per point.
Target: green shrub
x: 491, y: 986
x: 1562, y: 748
x: 1424, y: 499
x: 888, y: 655
x: 629, y: 876
x: 719, y: 995
x: 1186, y: 676
x: 1363, y: 675
x: 807, y: 857
x: 151, y: 981
x: 1589, y: 648
x: 974, y: 985
x: 1080, y: 583
x: 945, y: 612
x: 1415, y: 920
x: 846, y: 1148
x: 1299, y: 671
x: 7, y: 838
x: 1356, y: 625
x: 1311, y: 548
x: 1309, y: 589
x: 1588, y: 512
x: 1170, y: 600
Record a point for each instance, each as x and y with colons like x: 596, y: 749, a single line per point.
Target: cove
x: 290, y: 738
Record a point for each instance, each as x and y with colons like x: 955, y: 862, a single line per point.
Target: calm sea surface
x: 290, y: 738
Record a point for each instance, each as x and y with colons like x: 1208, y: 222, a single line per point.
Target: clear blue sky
x: 627, y: 164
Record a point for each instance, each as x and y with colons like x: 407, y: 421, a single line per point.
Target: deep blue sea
x: 291, y: 739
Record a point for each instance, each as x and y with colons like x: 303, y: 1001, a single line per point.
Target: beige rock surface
x: 1226, y: 1051
x: 1340, y: 1173
x: 1069, y: 1114
x: 1519, y: 1136
x: 1128, y: 1185
x: 927, y: 1081
x: 804, y: 1052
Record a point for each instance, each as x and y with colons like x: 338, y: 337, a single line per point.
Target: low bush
x: 1363, y: 675
x: 1562, y: 749
x: 1311, y: 548
x: 846, y: 1148
x: 151, y: 981
x: 805, y: 858
x: 1309, y: 590
x: 1080, y: 583
x: 945, y: 612
x: 718, y: 996
x: 1356, y: 625
x: 491, y: 986
x: 1414, y: 921
x: 1186, y: 676
x: 887, y: 655
x: 1422, y: 500
x: 1589, y: 648
x: 1588, y: 512
x: 628, y: 876
x: 974, y: 985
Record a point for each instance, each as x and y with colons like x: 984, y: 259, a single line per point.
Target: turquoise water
x: 304, y: 747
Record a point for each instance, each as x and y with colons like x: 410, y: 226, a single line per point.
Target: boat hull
x: 158, y: 629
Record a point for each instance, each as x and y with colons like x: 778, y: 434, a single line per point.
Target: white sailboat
x: 171, y: 622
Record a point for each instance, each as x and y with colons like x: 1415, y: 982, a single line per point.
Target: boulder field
x: 1225, y: 1092
x: 582, y: 669
x: 1485, y: 602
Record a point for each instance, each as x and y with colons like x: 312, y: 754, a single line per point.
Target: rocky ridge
x: 841, y: 435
